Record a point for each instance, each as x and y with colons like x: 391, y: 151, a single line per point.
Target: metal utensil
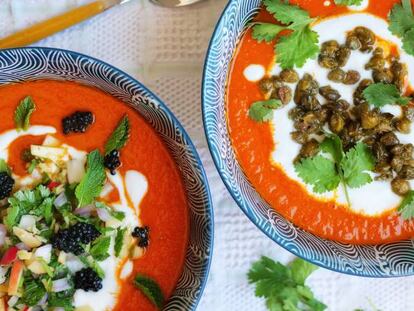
x: 58, y: 23
x: 174, y: 3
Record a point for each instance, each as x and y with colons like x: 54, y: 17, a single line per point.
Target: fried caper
x: 289, y: 76
x: 407, y: 172
x: 370, y: 119
x: 383, y: 76
x: 309, y: 149
x: 358, y: 94
x: 366, y: 37
x: 380, y: 152
x: 400, y: 186
x: 307, y: 86
x: 400, y: 73
x: 376, y: 62
x: 329, y: 48
x: 389, y: 139
x: 336, y: 123
x: 328, y: 62
x: 342, y: 56
x: 310, y: 102
x: 353, y: 42
x: 352, y: 77
x: 403, y: 125
x: 329, y: 93
x: 299, y: 137
x: 284, y: 93
x: 337, y: 75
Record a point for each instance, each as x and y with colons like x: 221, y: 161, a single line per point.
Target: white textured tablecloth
x: 165, y: 49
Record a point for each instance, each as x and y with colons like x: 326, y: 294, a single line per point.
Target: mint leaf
x: 23, y: 113
x: 295, y: 49
x: 348, y: 2
x: 92, y: 182
x: 355, y: 165
x: 150, y: 289
x: 119, y: 137
x: 262, y: 111
x: 319, y: 172
x: 119, y: 240
x: 381, y: 94
x: 266, y: 31
x: 406, y: 208
x: 100, y: 248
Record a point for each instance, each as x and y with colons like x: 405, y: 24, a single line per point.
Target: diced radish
x: 44, y: 252
x: 53, y: 184
x: 10, y: 256
x: 15, y: 277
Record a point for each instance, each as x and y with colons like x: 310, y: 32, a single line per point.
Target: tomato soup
x: 260, y: 147
x: 148, y: 182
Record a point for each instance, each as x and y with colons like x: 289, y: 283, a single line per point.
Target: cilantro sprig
x: 406, y: 208
x: 150, y: 289
x: 381, y: 94
x: 23, y: 113
x: 349, y: 168
x: 295, y: 48
x: 401, y: 21
x: 284, y: 287
x: 348, y: 2
x: 92, y: 182
x: 262, y: 111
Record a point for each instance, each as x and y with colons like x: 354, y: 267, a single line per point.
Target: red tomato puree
x: 253, y: 145
x: 164, y: 207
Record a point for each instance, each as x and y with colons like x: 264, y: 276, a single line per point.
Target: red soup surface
x: 164, y: 208
x: 253, y: 145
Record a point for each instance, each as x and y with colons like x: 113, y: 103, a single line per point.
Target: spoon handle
x: 55, y: 24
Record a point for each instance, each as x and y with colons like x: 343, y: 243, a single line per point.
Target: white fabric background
x: 165, y: 49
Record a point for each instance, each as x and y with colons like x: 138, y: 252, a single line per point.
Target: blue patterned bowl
x: 28, y: 64
x: 390, y: 260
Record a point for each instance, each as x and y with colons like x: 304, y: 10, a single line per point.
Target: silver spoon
x: 174, y: 3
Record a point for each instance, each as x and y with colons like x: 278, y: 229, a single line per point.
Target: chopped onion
x: 12, y: 301
x: 3, y: 233
x: 27, y: 222
x: 61, y: 200
x: 85, y: 211
x: 60, y: 285
x: 43, y: 300
x: 22, y: 246
x: 103, y: 214
x: 44, y: 252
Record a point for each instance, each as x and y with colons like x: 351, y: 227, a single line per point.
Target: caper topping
x: 337, y: 75
x: 353, y: 42
x: 289, y: 76
x: 352, y: 77
x: 329, y: 93
x: 383, y: 76
x: 328, y: 62
x: 400, y: 186
x: 309, y: 149
x: 336, y: 123
x: 403, y: 125
x: 342, y: 56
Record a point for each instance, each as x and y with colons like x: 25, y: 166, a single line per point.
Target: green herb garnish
x: 4, y: 167
x: 348, y: 2
x: 119, y: 240
x: 350, y: 168
x: 23, y: 113
x: 33, y: 290
x: 284, y: 287
x: 406, y: 208
x: 150, y: 289
x: 119, y: 137
x: 401, y: 21
x: 100, y: 248
x: 92, y: 182
x: 381, y: 94
x: 295, y: 48
x: 262, y: 111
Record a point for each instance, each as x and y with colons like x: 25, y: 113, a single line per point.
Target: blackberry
x: 112, y: 161
x: 6, y: 185
x: 88, y: 280
x: 142, y: 234
x: 70, y: 240
x: 77, y: 122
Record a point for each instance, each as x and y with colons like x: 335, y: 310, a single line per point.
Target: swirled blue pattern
x: 28, y: 64
x: 387, y: 260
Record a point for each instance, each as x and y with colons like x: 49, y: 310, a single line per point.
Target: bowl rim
x: 199, y: 165
x: 239, y: 200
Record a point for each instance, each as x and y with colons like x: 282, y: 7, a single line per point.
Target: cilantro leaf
x: 355, y: 165
x: 4, y: 167
x: 296, y: 48
x: 381, y: 94
x: 266, y: 31
x: 100, y: 248
x: 401, y: 20
x: 319, y: 172
x: 283, y: 286
x: 348, y: 2
x: 406, y: 208
x: 288, y: 14
x: 33, y: 290
x: 119, y: 137
x: 92, y: 182
x: 150, y: 289
x: 332, y: 144
x: 23, y: 113
x: 119, y: 240
x: 262, y: 111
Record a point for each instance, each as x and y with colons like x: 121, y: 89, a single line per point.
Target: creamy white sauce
x: 254, y: 73
x: 380, y: 198
x: 126, y: 269
x: 7, y: 137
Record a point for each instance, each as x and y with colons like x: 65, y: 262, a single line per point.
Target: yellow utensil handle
x: 53, y: 25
